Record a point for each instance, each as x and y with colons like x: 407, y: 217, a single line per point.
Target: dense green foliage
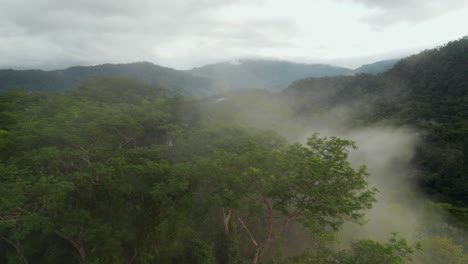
x: 117, y: 172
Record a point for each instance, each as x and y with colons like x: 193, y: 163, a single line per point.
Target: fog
x: 387, y: 152
x: 385, y: 148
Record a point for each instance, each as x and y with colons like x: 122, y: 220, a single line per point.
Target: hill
x: 178, y: 82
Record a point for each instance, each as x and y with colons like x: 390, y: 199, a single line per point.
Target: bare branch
x: 247, y: 231
x: 226, y: 220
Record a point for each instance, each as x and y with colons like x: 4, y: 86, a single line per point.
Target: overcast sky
x: 182, y: 34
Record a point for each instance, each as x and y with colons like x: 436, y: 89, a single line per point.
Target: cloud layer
x: 384, y: 13
x: 187, y: 33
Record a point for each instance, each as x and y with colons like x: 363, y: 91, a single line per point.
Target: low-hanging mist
x: 386, y: 148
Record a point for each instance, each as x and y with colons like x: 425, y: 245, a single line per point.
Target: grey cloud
x: 62, y: 33
x: 269, y: 32
x: 54, y: 15
x: 384, y: 13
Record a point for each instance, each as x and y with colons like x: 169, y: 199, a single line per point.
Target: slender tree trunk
x: 18, y: 249
x: 256, y: 257
x: 226, y: 220
x: 78, y: 246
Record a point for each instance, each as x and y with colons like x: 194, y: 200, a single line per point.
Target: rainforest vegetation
x: 119, y: 171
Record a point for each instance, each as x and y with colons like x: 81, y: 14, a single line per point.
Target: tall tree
x: 265, y: 190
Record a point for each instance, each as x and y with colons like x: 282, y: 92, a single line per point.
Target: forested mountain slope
x: 428, y: 90
x: 119, y: 171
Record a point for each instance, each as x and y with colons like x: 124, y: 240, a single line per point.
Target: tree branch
x: 247, y: 231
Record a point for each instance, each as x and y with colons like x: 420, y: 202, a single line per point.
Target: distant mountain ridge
x: 276, y: 75
x: 377, y: 67
x: 198, y: 82
x: 264, y: 74
x: 178, y: 82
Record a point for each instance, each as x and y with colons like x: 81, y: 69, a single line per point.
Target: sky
x: 182, y: 34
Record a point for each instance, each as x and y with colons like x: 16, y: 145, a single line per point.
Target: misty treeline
x: 117, y: 171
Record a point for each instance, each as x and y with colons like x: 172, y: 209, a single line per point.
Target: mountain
x: 428, y: 91
x: 264, y: 74
x: 198, y: 82
x: 376, y: 67
x: 180, y: 82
